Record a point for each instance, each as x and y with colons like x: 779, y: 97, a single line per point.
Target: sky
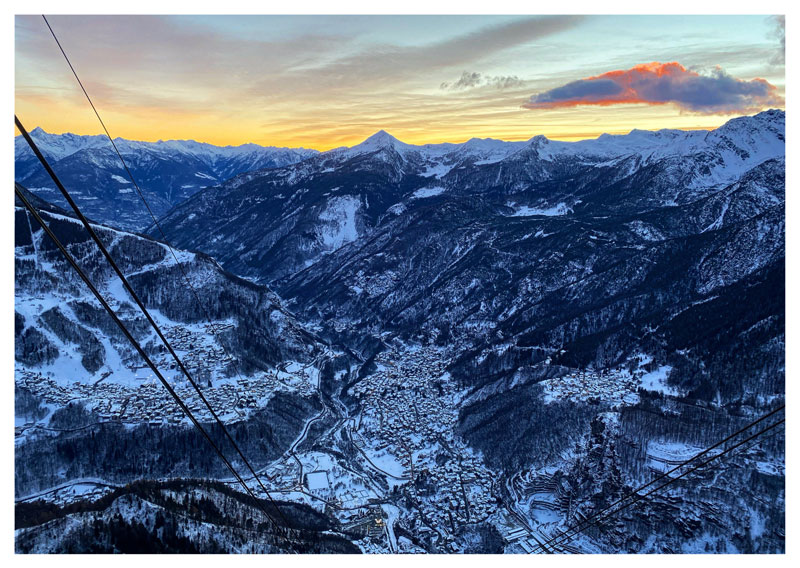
x: 328, y: 81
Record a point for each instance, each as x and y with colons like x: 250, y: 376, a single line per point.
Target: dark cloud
x: 661, y: 83
x: 779, y: 31
x: 470, y: 80
x: 467, y: 81
x: 506, y: 82
x: 405, y: 62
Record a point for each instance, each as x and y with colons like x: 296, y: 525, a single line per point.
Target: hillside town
x: 146, y: 401
x: 613, y: 386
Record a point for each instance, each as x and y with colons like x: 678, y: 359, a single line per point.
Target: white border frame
x: 374, y: 7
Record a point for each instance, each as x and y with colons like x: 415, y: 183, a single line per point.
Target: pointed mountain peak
x: 539, y: 140
x: 381, y: 139
x: 38, y: 131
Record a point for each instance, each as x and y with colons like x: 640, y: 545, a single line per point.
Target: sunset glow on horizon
x: 327, y: 81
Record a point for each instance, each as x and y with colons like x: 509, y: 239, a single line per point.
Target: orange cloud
x: 663, y: 83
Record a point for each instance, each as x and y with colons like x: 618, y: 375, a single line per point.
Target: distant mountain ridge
x: 167, y: 171
x: 747, y: 140
x: 306, y: 210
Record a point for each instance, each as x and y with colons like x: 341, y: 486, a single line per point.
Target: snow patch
x: 427, y: 192
x: 317, y: 480
x: 526, y: 211
x: 657, y: 381
x: 338, y: 221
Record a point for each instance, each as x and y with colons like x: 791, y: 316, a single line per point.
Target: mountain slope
x: 146, y: 517
x: 62, y: 331
x: 522, y: 253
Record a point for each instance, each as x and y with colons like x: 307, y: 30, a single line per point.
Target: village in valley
x: 413, y: 473
x: 613, y: 386
x: 409, y: 409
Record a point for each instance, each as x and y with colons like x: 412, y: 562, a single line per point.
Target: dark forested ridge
x: 182, y: 516
x: 87, y: 447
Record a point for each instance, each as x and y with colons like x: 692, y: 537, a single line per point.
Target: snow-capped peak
x: 379, y: 141
x: 57, y: 146
x: 739, y: 144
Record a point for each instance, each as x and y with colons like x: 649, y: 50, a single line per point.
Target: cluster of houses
x: 409, y: 412
x: 200, y: 352
x: 613, y: 386
x: 67, y: 493
x: 146, y: 401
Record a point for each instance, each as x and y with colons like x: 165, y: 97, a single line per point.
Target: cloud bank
x: 663, y: 83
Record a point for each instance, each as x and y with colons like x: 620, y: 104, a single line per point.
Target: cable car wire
x: 164, y: 239
x: 596, y: 518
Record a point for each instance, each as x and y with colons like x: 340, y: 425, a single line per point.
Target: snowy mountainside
x: 151, y: 517
x: 82, y: 393
x: 68, y: 348
x: 460, y: 269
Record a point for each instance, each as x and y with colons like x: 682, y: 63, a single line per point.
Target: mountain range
x: 438, y: 348
x: 271, y: 223
x: 166, y: 171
